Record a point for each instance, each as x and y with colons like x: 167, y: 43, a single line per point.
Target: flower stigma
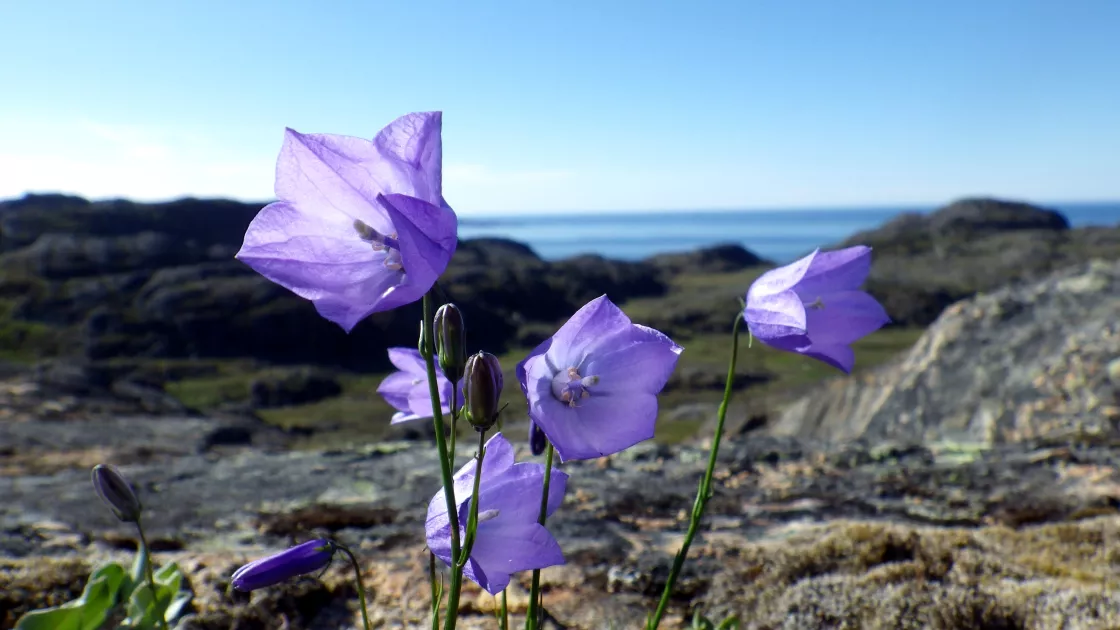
x: 569, y: 387
x: 381, y: 243
x: 817, y: 304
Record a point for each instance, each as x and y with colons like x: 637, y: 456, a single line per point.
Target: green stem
x: 454, y: 422
x: 150, y: 574
x: 429, y: 352
x: 503, y: 621
x: 437, y: 591
x: 460, y: 560
x: 531, y: 621
x: 705, y: 490
x: 361, y: 586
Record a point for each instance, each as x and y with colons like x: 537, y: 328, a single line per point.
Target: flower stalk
x: 704, y: 492
x: 532, y: 620
x: 358, y: 578
x: 147, y: 560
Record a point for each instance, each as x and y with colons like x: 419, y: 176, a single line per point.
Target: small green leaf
x: 87, y: 612
x: 730, y: 623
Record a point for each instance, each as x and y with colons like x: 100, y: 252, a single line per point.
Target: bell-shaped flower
x: 359, y: 226
x: 592, y: 387
x: 309, y: 557
x: 508, y: 539
x: 814, y: 307
x: 407, y: 390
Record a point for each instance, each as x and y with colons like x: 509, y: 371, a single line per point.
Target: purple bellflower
x: 407, y: 390
x: 509, y: 538
x: 592, y: 387
x: 814, y: 306
x: 299, y: 560
x: 359, y: 227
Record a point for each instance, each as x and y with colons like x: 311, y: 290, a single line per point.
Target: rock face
x: 1024, y: 362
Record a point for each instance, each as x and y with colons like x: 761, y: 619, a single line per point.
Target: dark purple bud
x: 482, y: 383
x: 537, y: 439
x: 299, y: 560
x: 451, y: 341
x: 116, y: 493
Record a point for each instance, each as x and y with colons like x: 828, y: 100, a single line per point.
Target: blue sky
x: 575, y: 106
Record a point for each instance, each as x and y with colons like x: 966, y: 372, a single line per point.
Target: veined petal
x: 380, y: 292
x: 643, y: 362
x: 413, y: 145
x: 589, y: 327
x: 427, y: 238
x: 600, y: 425
x: 775, y: 315
x: 409, y: 360
x: 324, y: 174
x: 396, y: 388
x: 506, y: 546
x: 781, y: 279
x: 845, y: 317
x: 840, y: 270
x: 522, y: 368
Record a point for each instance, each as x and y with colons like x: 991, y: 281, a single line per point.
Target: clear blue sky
x: 575, y: 105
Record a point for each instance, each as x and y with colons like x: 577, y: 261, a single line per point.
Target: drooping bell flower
x: 814, y: 307
x: 407, y: 390
x: 359, y: 226
x: 509, y: 539
x: 309, y: 557
x: 592, y: 387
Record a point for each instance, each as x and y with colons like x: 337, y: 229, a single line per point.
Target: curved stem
x: 361, y: 586
x: 460, y: 561
x: 531, y: 621
x: 429, y: 352
x: 704, y: 492
x: 150, y: 574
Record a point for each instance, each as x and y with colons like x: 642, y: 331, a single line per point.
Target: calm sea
x: 781, y: 236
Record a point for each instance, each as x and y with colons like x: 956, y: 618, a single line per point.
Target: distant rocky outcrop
x: 1038, y: 360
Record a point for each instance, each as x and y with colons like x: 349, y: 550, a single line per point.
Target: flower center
x: 817, y: 304
x: 569, y: 387
x: 381, y: 243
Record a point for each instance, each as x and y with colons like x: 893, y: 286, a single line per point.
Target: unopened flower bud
x: 116, y: 493
x: 483, y: 384
x: 451, y: 341
x: 306, y: 558
x: 537, y: 439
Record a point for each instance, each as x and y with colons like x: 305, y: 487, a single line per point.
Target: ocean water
x: 782, y: 235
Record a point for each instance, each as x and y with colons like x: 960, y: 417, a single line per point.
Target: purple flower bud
x: 483, y: 384
x: 306, y: 558
x: 537, y: 439
x: 116, y: 493
x: 451, y: 340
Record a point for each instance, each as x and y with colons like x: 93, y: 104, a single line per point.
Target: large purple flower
x: 407, y: 390
x: 592, y: 387
x: 814, y: 306
x: 359, y: 227
x: 509, y: 538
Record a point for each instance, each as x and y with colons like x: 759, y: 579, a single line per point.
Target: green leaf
x: 88, y: 611
x: 144, y: 610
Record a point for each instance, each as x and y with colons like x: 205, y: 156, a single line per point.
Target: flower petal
x: 773, y: 316
x: 845, y: 317
x: 643, y: 362
x: 506, y: 546
x: 396, y: 388
x: 840, y: 270
x: 427, y: 237
x: 838, y: 356
x: 781, y: 279
x: 601, y: 424
x: 415, y: 146
x: 325, y: 175
x: 409, y: 360
x: 378, y: 293
x: 590, y: 326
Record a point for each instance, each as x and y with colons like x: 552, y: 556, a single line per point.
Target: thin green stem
x: 532, y: 619
x: 503, y: 621
x: 454, y: 422
x: 361, y: 586
x: 704, y: 492
x: 429, y: 352
x: 437, y: 592
x: 150, y: 574
x: 460, y: 559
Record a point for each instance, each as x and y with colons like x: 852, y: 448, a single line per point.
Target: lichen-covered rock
x: 1024, y: 362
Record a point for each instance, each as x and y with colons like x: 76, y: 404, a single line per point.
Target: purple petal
x: 499, y: 459
x: 305, y: 558
x: 642, y: 362
x: 845, y: 317
x: 781, y: 279
x: 841, y: 270
x: 415, y: 146
x: 520, y: 370
x: 504, y: 546
x: 410, y: 361
x: 517, y: 492
x: 427, y: 237
x: 396, y: 388
x: 838, y: 356
x: 775, y: 315
x: 590, y: 326
x: 323, y: 174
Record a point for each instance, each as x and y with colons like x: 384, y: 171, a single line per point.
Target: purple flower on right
x: 814, y: 306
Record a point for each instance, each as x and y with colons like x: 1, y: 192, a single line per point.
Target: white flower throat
x: 569, y: 387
